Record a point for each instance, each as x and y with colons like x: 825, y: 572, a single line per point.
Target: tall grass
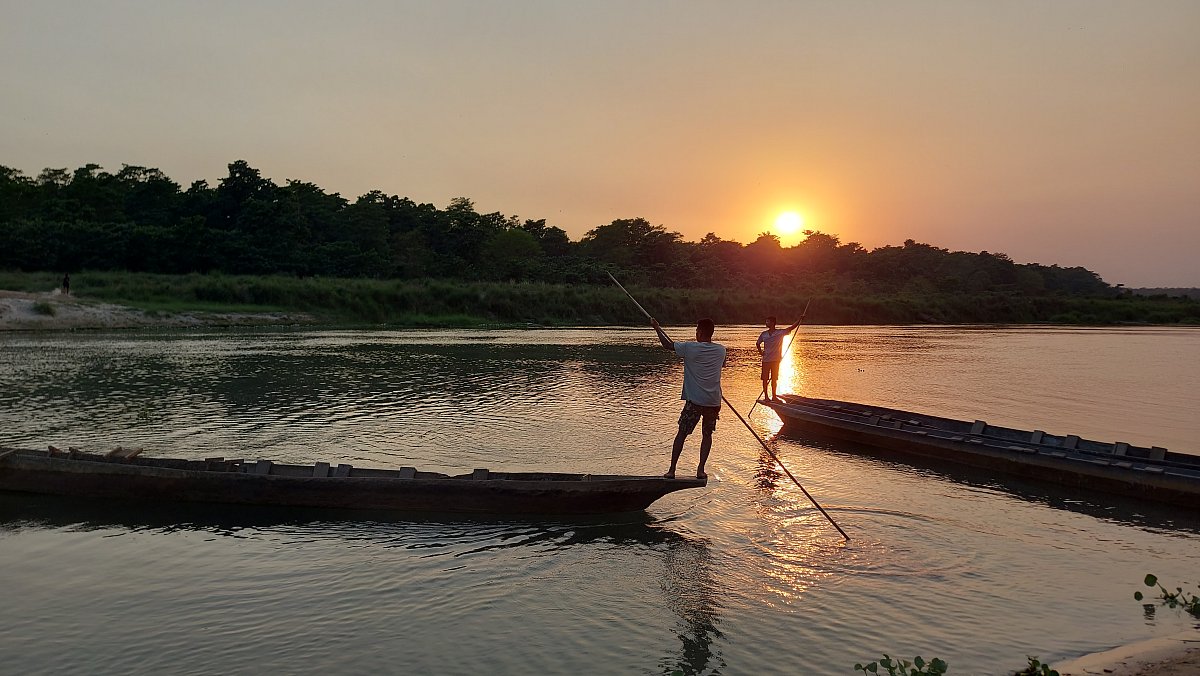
x: 434, y: 302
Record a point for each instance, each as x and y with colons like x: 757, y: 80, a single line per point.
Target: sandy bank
x: 52, y: 311
x: 1177, y: 655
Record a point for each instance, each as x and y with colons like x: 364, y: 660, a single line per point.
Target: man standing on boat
x: 702, y: 362
x: 770, y: 346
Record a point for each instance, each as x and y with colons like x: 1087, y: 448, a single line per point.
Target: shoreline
x: 54, y: 311
x: 1174, y: 655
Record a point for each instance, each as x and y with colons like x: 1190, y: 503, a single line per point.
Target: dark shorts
x: 692, y: 413
x: 770, y: 370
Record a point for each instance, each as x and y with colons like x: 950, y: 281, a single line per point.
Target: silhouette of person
x: 770, y: 346
x: 702, y: 363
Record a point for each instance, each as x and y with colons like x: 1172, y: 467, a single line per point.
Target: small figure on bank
x: 702, y: 363
x: 770, y: 346
x: 66, y: 289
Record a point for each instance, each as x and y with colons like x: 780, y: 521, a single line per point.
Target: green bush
x: 1188, y: 602
x: 894, y: 667
x: 1036, y: 668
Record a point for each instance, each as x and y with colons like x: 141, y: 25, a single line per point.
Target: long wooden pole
x: 748, y: 427
x: 784, y: 353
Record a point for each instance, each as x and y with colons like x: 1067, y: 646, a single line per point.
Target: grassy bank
x: 457, y: 303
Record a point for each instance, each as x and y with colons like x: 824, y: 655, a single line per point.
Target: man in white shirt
x: 702, y: 362
x: 770, y: 346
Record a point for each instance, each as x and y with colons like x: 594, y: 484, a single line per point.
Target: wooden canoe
x: 123, y: 475
x: 1151, y: 473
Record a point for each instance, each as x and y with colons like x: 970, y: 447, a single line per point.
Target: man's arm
x: 758, y: 344
x: 795, y: 326
x: 667, y: 343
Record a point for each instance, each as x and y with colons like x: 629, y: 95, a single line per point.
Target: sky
x: 1064, y: 132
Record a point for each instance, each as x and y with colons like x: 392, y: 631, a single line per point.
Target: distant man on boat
x: 770, y: 346
x: 702, y: 362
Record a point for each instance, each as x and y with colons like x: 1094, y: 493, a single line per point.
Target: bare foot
x: 701, y: 476
x: 669, y: 475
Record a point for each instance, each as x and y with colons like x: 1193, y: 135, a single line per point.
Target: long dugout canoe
x: 1151, y: 473
x: 123, y: 475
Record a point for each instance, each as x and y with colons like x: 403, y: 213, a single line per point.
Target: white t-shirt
x: 772, y: 344
x: 702, y: 364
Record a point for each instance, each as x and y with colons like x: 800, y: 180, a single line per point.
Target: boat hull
x: 1069, y: 461
x: 482, y: 492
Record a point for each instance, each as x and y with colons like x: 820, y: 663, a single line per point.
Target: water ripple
x: 740, y: 577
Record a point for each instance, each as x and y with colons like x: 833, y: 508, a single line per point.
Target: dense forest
x: 139, y: 220
x: 1170, y: 292
x: 417, y: 258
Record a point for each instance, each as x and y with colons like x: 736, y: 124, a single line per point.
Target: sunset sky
x: 1056, y: 132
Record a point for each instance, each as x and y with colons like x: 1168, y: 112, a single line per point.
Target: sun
x: 789, y: 223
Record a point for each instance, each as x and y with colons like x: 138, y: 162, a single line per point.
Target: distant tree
x: 461, y: 240
x: 323, y: 214
x: 511, y: 254
x: 553, y: 241
x: 366, y: 230
x: 52, y: 203
x: 1076, y: 280
x: 94, y: 195
x: 409, y: 254
x: 764, y: 257
x: 149, y: 197
x: 16, y: 194
x: 718, y: 260
x: 633, y: 243
x: 244, y: 185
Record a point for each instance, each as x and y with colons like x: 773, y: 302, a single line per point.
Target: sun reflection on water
x: 792, y: 376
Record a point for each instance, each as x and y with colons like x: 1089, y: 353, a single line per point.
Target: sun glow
x: 788, y: 223
x: 791, y: 372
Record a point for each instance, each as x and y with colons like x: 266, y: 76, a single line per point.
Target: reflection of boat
x: 1151, y: 473
x: 121, y: 475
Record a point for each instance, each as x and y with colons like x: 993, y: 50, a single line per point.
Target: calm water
x: 742, y: 577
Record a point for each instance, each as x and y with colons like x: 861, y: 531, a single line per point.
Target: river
x: 741, y: 577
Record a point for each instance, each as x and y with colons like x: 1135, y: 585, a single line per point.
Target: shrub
x: 918, y: 666
x: 1189, y: 603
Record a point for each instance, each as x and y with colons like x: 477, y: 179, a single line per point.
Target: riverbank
x: 54, y: 311
x: 460, y: 304
x: 1176, y: 655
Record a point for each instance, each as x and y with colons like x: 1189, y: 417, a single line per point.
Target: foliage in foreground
x: 1037, y: 668
x: 935, y: 667
x: 894, y: 667
x: 1188, y: 602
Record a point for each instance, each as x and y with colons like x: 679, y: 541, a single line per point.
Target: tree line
x: 140, y: 220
